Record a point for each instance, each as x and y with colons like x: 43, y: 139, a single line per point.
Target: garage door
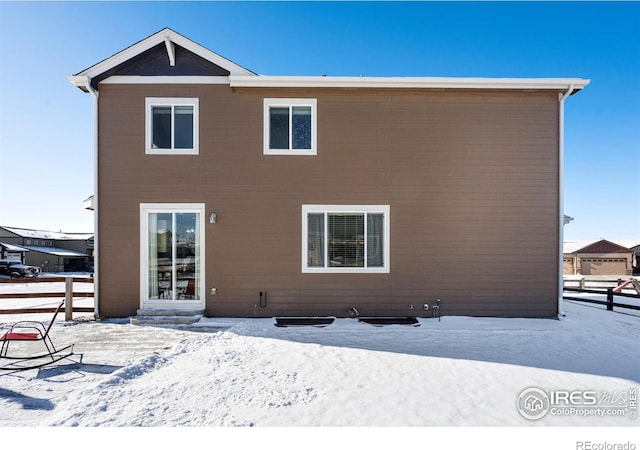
x: 567, y: 267
x: 603, y: 266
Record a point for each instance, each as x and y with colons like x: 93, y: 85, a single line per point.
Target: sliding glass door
x: 172, y: 264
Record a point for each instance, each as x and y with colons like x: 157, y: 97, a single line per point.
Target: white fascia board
x: 408, y: 82
x: 159, y: 38
x: 79, y: 81
x: 125, y: 55
x: 207, y: 54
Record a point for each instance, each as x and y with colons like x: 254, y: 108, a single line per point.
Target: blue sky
x: 46, y: 125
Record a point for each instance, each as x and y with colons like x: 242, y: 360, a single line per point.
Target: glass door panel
x: 174, y: 256
x: 160, y: 256
x: 187, y: 256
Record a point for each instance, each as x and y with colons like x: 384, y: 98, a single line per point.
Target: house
x: 12, y: 252
x: 51, y: 251
x: 237, y: 194
x: 533, y: 404
x: 635, y: 259
x: 597, y: 258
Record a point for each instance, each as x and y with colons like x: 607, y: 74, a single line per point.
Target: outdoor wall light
x: 213, y: 218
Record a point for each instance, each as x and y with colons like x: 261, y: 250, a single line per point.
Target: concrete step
x: 164, y: 320
x: 166, y: 317
x: 169, y: 312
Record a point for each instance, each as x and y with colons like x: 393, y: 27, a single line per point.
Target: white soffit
x: 409, y: 82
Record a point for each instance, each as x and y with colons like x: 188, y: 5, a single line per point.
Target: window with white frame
x: 290, y: 126
x: 171, y: 126
x: 345, y: 238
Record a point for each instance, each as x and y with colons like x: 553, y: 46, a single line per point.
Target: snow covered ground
x: 459, y: 371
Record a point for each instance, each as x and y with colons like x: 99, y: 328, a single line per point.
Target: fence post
x: 609, y: 299
x: 68, y: 299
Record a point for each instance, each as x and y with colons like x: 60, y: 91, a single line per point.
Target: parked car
x: 15, y: 269
x: 4, y: 265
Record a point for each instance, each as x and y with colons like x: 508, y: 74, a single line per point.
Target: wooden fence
x: 68, y: 295
x: 602, y: 283
x: 610, y: 293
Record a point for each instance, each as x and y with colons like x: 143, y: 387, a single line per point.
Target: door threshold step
x: 170, y: 312
x: 165, y: 320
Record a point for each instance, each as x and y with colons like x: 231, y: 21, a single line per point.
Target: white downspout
x: 96, y: 208
x: 561, y: 97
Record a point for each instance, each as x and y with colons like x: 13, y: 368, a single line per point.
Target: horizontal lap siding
x: 471, y: 179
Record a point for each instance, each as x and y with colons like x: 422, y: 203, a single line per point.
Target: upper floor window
x: 290, y: 126
x: 171, y: 126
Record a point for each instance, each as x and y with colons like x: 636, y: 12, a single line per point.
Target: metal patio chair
x: 32, y: 331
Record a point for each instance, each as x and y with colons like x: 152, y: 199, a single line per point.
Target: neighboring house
x: 635, y: 259
x: 237, y: 194
x: 597, y: 258
x: 12, y: 252
x: 49, y: 250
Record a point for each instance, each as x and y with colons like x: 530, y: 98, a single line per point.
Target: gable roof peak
x: 603, y: 246
x: 170, y: 38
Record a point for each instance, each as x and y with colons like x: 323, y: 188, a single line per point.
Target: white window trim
x: 171, y: 101
x: 288, y: 102
x: 145, y: 210
x: 384, y: 209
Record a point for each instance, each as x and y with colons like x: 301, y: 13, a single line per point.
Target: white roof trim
x: 13, y: 248
x: 55, y: 251
x: 241, y: 77
x: 408, y: 82
x: 79, y: 81
x: 160, y: 37
x: 171, y: 51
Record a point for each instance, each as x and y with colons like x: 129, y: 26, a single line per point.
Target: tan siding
x: 471, y: 179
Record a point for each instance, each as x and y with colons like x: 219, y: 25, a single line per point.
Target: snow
x: 224, y: 372
x: 54, y: 251
x: 573, y: 246
x: 42, y: 234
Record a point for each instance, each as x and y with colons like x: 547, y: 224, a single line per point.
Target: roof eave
x: 558, y: 84
x: 80, y: 81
